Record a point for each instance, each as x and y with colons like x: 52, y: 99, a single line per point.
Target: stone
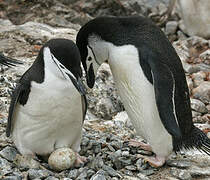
x: 12, y: 178
x: 51, y: 178
x: 142, y: 176
x: 181, y: 174
x: 195, y: 15
x: 98, y: 177
x: 199, y: 172
x: 198, y: 106
x: 202, y: 92
x: 5, y: 167
x: 73, y: 174
x: 26, y: 162
x: 9, y: 153
x: 36, y: 173
x: 111, y: 171
x: 62, y: 159
x: 178, y: 163
x: 171, y: 27
x: 198, y: 78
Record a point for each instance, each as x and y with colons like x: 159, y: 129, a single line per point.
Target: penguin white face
x: 97, y: 54
x: 59, y: 70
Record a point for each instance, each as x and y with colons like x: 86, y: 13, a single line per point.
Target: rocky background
x: 26, y: 25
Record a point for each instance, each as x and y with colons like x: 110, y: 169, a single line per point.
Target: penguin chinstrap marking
x: 48, y: 105
x: 149, y: 78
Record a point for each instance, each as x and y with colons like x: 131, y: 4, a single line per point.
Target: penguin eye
x: 89, y: 58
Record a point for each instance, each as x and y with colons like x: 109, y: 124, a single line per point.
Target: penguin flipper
x: 84, y: 106
x: 8, y: 61
x: 20, y: 94
x: 164, y: 86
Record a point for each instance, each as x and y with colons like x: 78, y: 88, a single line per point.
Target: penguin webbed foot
x: 141, y: 145
x: 156, y: 161
x: 80, y: 160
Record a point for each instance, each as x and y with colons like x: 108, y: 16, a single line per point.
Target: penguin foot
x: 155, y: 161
x: 142, y: 145
x: 80, y: 160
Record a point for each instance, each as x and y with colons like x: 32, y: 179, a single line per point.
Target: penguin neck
x: 119, y: 57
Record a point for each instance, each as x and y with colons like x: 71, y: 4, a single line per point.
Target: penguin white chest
x: 138, y: 97
x: 51, y: 118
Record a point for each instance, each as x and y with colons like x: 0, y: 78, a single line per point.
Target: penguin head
x: 62, y: 58
x: 90, y: 40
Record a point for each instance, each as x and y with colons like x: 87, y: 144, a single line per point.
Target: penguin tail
x: 196, y: 139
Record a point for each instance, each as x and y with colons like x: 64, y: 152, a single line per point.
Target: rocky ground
x: 26, y: 25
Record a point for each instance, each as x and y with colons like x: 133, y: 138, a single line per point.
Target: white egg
x: 62, y: 159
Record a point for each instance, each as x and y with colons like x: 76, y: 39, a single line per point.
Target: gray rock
x: 142, y: 176
x: 98, y: 177
x: 131, y: 168
x: 206, y: 56
x: 202, y: 92
x: 196, y: 114
x: 198, y: 106
x: 25, y: 162
x: 73, y: 174
x: 5, y: 167
x: 97, y: 163
x: 171, y: 27
x: 38, y: 173
x: 8, y: 153
x: 147, y: 172
x: 199, y: 172
x: 178, y: 163
x: 51, y: 178
x: 82, y: 174
x: 181, y: 174
x: 12, y: 178
x: 90, y: 173
x: 198, y: 78
x: 111, y: 171
x: 195, y: 15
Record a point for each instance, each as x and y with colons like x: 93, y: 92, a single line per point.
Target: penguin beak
x: 90, y: 76
x: 78, y: 84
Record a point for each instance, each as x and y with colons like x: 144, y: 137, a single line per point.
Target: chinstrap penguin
x: 8, y: 61
x: 48, y: 104
x: 149, y: 78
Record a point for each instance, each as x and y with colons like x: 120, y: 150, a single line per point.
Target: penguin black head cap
x: 67, y: 53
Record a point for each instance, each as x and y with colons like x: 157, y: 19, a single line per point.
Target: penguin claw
x: 80, y: 160
x: 142, y: 145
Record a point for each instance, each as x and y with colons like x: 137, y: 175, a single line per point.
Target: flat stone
x: 5, y: 167
x: 111, y: 171
x: 51, y: 178
x: 199, y: 172
x: 12, y: 178
x: 98, y: 177
x: 202, y: 92
x: 198, y: 78
x: 178, y: 163
x: 171, y: 27
x: 142, y: 176
x: 8, y: 153
x: 73, y: 173
x: 36, y: 173
x: 181, y: 174
x: 198, y: 106
x: 25, y: 162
